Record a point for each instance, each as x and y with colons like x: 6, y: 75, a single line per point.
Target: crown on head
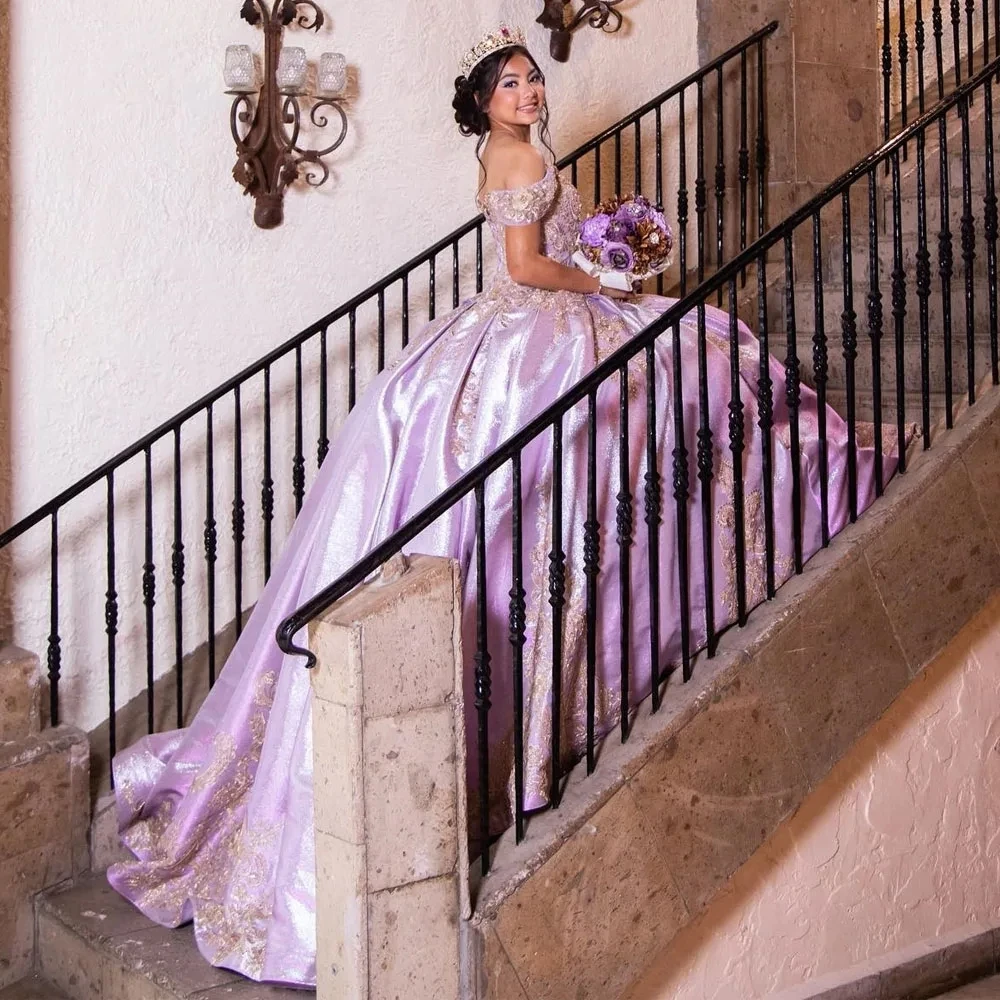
x: 502, y: 38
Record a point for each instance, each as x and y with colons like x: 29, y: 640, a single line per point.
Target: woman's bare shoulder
x: 513, y: 164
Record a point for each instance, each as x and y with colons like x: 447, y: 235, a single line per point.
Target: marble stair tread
x: 986, y: 989
x: 94, y: 945
x: 32, y: 988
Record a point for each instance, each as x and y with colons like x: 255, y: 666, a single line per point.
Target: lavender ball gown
x: 219, y: 816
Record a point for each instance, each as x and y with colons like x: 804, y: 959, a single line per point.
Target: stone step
x: 94, y: 945
x: 864, y: 407
x: 32, y: 988
x: 20, y: 694
x: 986, y: 989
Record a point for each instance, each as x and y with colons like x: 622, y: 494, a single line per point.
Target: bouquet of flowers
x: 625, y: 241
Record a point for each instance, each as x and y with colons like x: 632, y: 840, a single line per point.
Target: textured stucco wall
x: 139, y: 281
x: 899, y: 845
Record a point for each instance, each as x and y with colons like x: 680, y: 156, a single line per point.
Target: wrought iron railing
x: 175, y: 467
x: 803, y: 236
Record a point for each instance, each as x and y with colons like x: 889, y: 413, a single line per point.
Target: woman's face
x: 519, y: 94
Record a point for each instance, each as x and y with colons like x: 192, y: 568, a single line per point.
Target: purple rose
x: 619, y: 229
x: 642, y: 201
x: 617, y: 257
x: 632, y: 212
x: 593, y: 230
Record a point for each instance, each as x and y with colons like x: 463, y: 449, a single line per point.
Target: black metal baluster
x: 706, y: 473
x: 405, y: 295
x: 946, y: 263
x: 455, y: 286
x: 700, y: 183
x: 682, y: 197
x: 618, y: 162
x: 956, y: 20
x: 323, y: 445
x: 990, y: 228
x: 765, y: 421
x: 111, y: 627
x: 849, y: 332
x: 479, y: 249
x: 938, y: 27
x: 970, y: 9
x: 653, y: 504
x: 483, y: 684
x: 177, y: 575
x: 53, y: 658
x: 624, y: 529
x: 737, y: 442
x: 968, y: 252
x: 352, y: 359
x: 149, y: 588
x: 923, y: 292
x: 886, y: 71
x: 239, y: 511
x: 557, y: 600
x: 299, y: 459
x: 903, y: 60
x: 821, y: 367
x: 573, y: 172
x: 720, y: 179
x: 659, y: 178
x: 432, y: 289
x: 210, y: 540
x: 744, y: 161
x: 876, y: 320
x: 591, y: 569
x: 681, y: 492
x: 899, y: 309
x: 381, y: 327
x: 986, y: 31
x: 793, y: 397
x: 919, y: 42
x: 267, y: 483
x: 762, y: 150
x: 637, y: 155
x: 597, y: 174
x: 517, y: 638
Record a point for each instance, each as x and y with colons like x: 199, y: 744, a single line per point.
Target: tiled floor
x: 987, y: 989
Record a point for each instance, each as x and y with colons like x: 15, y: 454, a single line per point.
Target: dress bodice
x: 551, y: 201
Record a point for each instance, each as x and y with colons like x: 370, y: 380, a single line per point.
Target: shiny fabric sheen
x: 220, y: 816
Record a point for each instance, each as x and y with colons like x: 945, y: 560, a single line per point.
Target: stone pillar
x: 390, y: 801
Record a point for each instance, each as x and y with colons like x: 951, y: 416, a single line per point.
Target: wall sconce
x: 597, y: 13
x: 267, y: 130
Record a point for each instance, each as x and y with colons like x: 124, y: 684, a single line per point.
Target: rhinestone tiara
x: 502, y: 38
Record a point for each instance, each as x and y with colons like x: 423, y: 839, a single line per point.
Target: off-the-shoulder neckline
x: 549, y: 171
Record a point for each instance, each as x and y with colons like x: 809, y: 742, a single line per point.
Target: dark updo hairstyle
x: 474, y: 92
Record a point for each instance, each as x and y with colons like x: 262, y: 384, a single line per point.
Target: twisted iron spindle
x: 886, y: 71
x: 455, y: 286
x: 849, y: 336
x: 765, y: 421
x: 700, y: 183
x: 624, y: 526
x: 919, y: 43
x: 762, y: 145
x: 432, y: 289
x: 380, y: 301
x: 681, y: 492
x: 659, y: 177
x: 211, y: 540
x: 323, y: 445
x: 904, y: 55
x: 597, y: 173
x: 591, y: 569
x: 946, y: 264
x: 405, y: 305
x: 479, y: 248
x: 637, y: 158
x: 968, y: 253
x: 990, y: 229
x: 737, y: 442
x: 970, y: 10
x: 821, y: 367
x: 517, y: 611
x: 111, y: 626
x: 923, y: 292
x: 239, y: 511
x: 483, y: 684
x: 267, y: 482
x: 557, y: 601
x: 682, y: 197
x: 618, y: 162
x: 653, y: 507
x: 53, y: 653
x: 876, y: 321
x: 706, y: 474
x: 352, y: 358
x: 177, y: 576
x: 793, y: 396
x: 956, y: 20
x: 899, y: 309
x: 744, y: 160
x: 720, y: 178
x: 937, y: 21
x: 149, y: 586
x: 299, y: 458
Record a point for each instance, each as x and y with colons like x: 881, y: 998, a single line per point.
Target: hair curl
x: 473, y: 94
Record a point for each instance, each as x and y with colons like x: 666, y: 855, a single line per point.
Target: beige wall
x: 899, y: 845
x: 139, y: 281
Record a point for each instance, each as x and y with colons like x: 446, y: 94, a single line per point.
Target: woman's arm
x: 529, y: 266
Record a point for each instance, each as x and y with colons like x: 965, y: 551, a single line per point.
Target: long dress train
x: 219, y: 815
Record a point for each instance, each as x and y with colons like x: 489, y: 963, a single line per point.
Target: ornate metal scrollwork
x: 599, y: 14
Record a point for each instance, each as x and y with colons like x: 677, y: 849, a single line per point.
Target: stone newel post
x: 389, y: 750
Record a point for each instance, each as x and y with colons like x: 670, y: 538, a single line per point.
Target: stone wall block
x: 341, y: 919
x: 20, y: 694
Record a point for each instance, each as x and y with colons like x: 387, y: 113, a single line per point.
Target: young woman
x: 219, y: 816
